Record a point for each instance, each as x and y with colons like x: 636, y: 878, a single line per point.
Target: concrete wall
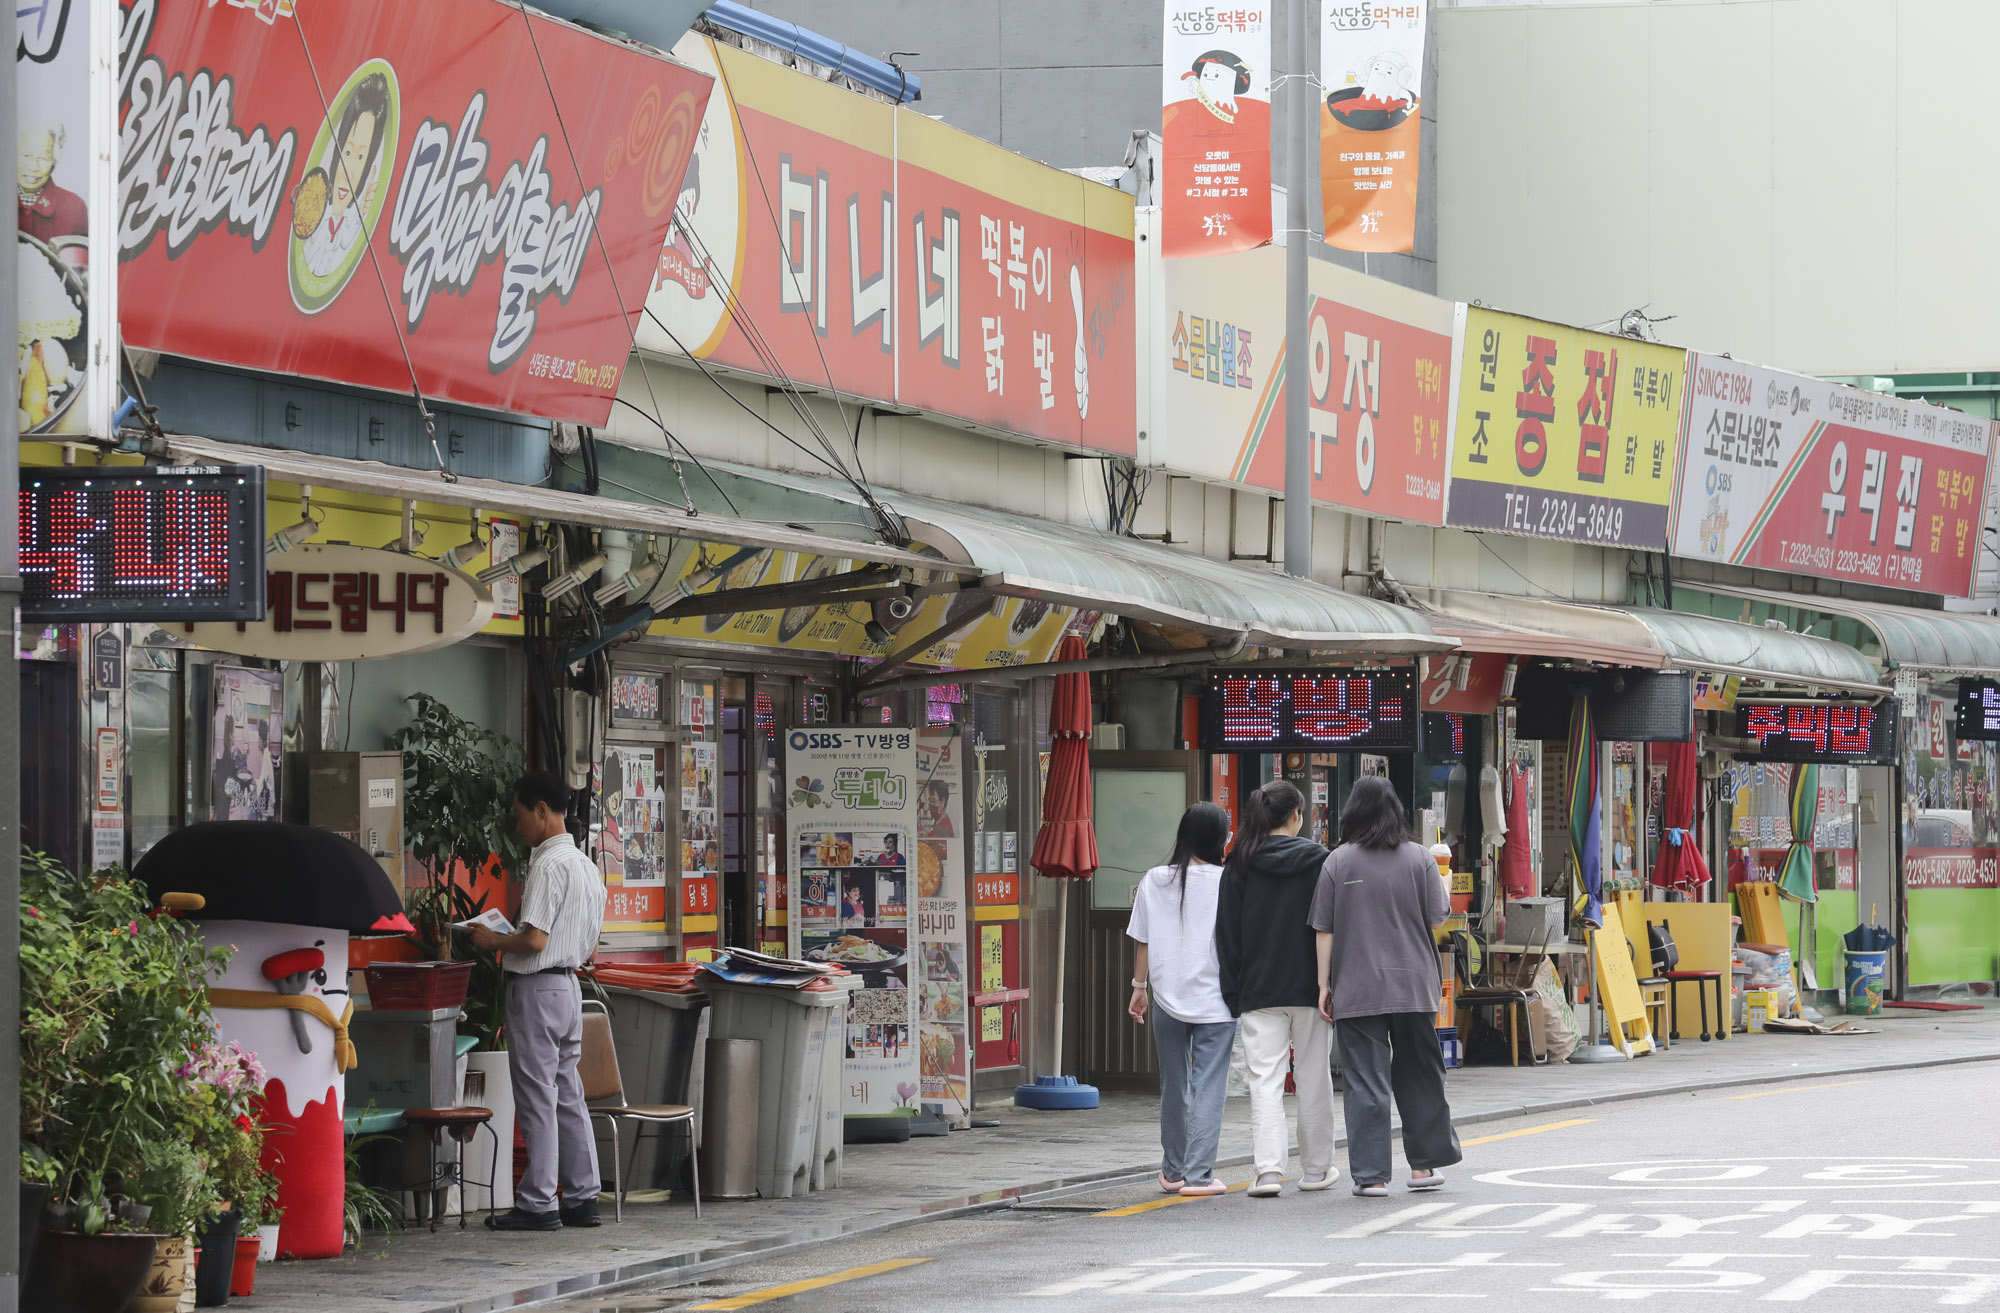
x: 1798, y: 182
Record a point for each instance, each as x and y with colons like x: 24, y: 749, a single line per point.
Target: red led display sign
x: 1835, y: 732
x: 143, y: 543
x: 1302, y: 709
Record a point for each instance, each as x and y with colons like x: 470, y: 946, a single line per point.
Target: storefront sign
x: 341, y: 603
x: 884, y: 255
x: 426, y: 217
x: 1951, y: 868
x: 944, y: 1040
x: 142, y: 543
x: 1978, y: 710
x: 1371, y: 71
x: 1785, y: 472
x: 1379, y: 361
x: 1838, y: 732
x: 1465, y: 682
x: 1215, y: 175
x: 1558, y: 432
x: 65, y: 89
x: 1294, y: 709
x: 851, y: 813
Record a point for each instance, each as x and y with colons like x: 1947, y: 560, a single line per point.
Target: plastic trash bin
x: 1865, y: 972
x: 658, y: 1037
x: 791, y: 1025
x: 729, y: 1141
x: 830, y: 1148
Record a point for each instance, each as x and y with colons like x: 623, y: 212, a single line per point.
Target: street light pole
x: 10, y: 754
x: 1301, y: 124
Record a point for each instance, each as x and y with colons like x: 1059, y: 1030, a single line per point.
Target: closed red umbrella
x: 1681, y: 866
x: 1066, y: 845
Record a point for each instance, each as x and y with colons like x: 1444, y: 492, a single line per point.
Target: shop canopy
x: 1953, y: 642
x: 380, y: 480
x: 1019, y: 556
x: 1646, y: 637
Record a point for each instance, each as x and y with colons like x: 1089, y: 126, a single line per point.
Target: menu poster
x: 943, y: 1038
x: 641, y: 817
x: 701, y: 833
x: 851, y: 813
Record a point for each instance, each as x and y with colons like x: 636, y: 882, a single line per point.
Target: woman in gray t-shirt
x: 1379, y: 899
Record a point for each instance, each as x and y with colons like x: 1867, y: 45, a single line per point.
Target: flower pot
x: 267, y: 1243
x: 167, y: 1280
x: 243, y: 1272
x: 497, y: 1093
x: 218, y: 1258
x: 34, y: 1198
x: 76, y: 1273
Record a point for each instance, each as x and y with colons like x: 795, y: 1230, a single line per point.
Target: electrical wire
x: 620, y: 401
x: 1487, y: 548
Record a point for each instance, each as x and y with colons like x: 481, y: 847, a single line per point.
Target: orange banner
x: 1372, y: 70
x: 1215, y: 184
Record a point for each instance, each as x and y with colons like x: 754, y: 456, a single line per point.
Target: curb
x: 719, y: 1257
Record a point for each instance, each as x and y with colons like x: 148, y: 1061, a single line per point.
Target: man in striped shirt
x: 562, y: 914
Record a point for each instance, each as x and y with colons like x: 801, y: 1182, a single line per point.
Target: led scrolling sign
x: 142, y: 543
x: 1288, y: 709
x: 1820, y: 731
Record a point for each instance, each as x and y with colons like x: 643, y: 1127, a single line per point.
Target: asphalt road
x: 1878, y: 1193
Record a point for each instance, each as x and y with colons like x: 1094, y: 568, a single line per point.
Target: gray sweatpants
x: 1394, y: 1054
x: 544, y: 1044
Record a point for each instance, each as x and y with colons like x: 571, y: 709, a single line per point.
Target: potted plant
x: 113, y: 999
x: 174, y: 1184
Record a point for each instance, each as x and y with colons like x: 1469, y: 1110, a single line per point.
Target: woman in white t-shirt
x: 1173, y: 920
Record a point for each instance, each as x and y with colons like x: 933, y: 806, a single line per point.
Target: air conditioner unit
x: 1108, y: 738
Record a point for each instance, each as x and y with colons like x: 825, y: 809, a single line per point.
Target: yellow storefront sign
x: 1560, y: 432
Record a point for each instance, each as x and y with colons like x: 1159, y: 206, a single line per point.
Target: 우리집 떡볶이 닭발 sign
x: 389, y: 190
x: 1785, y: 472
x: 1560, y: 432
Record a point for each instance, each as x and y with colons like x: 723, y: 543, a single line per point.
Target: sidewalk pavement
x: 1029, y: 1154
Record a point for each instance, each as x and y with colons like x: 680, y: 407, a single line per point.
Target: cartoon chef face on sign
x: 340, y: 197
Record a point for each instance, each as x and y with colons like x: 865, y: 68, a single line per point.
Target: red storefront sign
x: 1951, y: 868
x: 387, y: 190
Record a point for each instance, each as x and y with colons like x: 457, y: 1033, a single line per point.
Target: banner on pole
x: 1371, y: 73
x: 1215, y: 191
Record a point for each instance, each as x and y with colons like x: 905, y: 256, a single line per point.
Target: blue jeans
x: 1194, y: 1078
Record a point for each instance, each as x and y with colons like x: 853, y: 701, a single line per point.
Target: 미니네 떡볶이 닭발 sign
x: 1785, y: 472
x: 1560, y: 432
x: 393, y: 190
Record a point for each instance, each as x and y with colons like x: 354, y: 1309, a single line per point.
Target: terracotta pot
x: 169, y: 1278
x: 243, y: 1274
x: 76, y: 1273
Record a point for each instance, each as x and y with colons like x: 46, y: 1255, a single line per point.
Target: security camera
x: 900, y: 608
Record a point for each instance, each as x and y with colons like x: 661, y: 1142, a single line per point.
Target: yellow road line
x: 1531, y: 1130
x: 765, y: 1296
x: 1134, y: 1210
x: 1798, y: 1089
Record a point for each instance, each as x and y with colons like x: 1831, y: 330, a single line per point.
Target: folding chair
x: 604, y: 1091
x: 1511, y: 995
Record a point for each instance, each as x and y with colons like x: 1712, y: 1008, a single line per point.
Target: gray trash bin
x: 659, y: 1041
x: 830, y: 1148
x: 729, y: 1139
x: 792, y: 1027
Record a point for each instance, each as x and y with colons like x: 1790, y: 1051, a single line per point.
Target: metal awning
x: 1644, y: 637
x: 1952, y: 642
x: 395, y: 481
x: 1020, y: 556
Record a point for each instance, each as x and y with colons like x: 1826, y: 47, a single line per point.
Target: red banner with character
x: 388, y: 191
x: 1215, y: 178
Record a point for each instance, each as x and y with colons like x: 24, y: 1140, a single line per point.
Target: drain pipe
x: 1217, y: 652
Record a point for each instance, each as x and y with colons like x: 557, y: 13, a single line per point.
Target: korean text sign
x: 1371, y: 121
x: 1785, y: 472
x: 374, y: 179
x: 881, y: 254
x: 1563, y: 433
x: 1215, y: 183
x: 1379, y: 359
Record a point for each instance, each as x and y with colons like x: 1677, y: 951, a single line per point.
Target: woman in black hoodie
x: 1270, y: 981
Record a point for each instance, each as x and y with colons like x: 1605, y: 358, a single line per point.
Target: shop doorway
x: 51, y: 808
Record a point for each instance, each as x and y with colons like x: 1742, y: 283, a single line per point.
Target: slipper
x: 1205, y: 1188
x: 1267, y: 1186
x: 1431, y: 1182
x: 1170, y: 1187
x: 1324, y: 1182
x: 1371, y: 1189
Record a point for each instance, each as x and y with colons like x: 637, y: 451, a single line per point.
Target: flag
x: 1215, y: 183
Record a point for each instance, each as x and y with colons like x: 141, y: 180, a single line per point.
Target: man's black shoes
x: 584, y: 1214
x: 515, y: 1219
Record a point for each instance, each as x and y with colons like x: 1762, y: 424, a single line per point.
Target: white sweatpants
x: 1270, y: 1035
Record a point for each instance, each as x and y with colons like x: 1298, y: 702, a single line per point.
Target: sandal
x: 1170, y: 1187
x: 1433, y: 1181
x: 1205, y: 1188
x: 1372, y: 1189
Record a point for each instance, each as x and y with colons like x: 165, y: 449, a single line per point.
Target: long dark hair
x: 1373, y: 816
x: 1202, y: 837
x: 1264, y: 811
